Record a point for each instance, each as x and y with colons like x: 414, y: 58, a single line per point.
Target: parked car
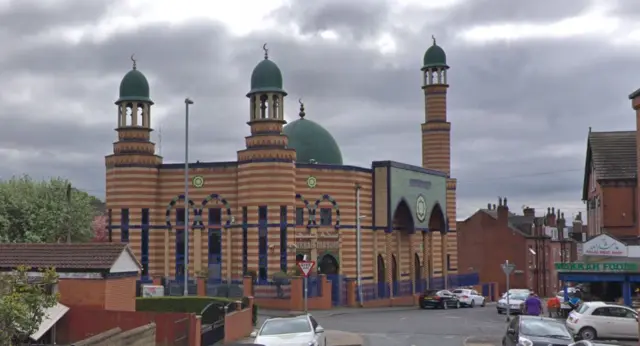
x: 600, y: 320
x: 301, y: 330
x: 515, y: 303
x: 469, y: 298
x: 589, y: 343
x: 534, y: 330
x: 443, y: 299
x: 516, y: 291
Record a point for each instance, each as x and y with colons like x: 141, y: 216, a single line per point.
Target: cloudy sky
x: 527, y: 80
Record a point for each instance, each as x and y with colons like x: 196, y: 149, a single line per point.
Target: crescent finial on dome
x: 301, y: 114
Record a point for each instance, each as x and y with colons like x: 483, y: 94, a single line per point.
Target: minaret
x: 134, y: 156
x: 436, y: 144
x: 266, y: 175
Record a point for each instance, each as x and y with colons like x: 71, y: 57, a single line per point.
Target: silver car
x: 301, y: 330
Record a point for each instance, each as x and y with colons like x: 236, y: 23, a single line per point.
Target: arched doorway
x: 328, y: 265
x: 417, y: 278
x: 382, y: 277
x: 438, y: 224
x: 403, y: 228
x: 299, y: 257
x: 394, y: 274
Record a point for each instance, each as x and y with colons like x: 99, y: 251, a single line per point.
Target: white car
x: 600, y: 320
x: 469, y: 298
x: 516, y: 291
x: 515, y: 302
x: 301, y: 330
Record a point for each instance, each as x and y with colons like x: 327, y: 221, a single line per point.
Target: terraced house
x: 289, y: 194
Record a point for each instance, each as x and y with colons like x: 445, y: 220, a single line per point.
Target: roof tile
x: 97, y: 256
x: 613, y: 154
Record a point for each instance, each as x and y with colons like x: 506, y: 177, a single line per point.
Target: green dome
x: 435, y: 56
x: 266, y: 77
x: 134, y: 87
x: 312, y: 142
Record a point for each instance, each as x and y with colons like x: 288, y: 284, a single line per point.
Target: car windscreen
x: 544, y: 328
x: 460, y: 292
x: 518, y: 296
x: 289, y: 326
x: 583, y: 308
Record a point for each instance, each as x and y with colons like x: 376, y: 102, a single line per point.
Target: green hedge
x: 193, y: 304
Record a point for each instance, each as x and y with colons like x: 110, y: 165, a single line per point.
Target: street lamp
x: 187, y: 103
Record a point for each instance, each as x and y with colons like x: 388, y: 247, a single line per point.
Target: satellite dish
x: 532, y: 252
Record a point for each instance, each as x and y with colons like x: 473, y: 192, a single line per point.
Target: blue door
x: 336, y: 288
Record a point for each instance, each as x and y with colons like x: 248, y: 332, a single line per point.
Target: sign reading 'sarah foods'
x: 597, y: 267
x: 604, y: 245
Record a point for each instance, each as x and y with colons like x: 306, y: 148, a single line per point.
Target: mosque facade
x: 287, y: 195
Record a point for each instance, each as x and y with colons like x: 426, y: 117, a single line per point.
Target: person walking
x: 533, y: 305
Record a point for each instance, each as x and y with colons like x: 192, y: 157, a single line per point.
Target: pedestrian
x: 553, y: 306
x: 533, y: 305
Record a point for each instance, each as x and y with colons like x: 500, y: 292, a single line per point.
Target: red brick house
x: 609, y: 188
x: 493, y: 235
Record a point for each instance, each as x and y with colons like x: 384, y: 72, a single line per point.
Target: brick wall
x: 82, y: 292
x: 120, y: 294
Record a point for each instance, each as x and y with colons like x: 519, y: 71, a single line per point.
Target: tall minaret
x: 134, y: 156
x: 266, y: 176
x: 436, y: 147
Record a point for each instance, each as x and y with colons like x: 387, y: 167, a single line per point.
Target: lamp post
x: 187, y: 103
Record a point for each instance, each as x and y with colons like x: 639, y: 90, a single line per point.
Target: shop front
x: 607, y: 270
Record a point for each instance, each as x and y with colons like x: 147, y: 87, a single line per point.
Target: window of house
x: 215, y: 216
x: 299, y: 216
x: 124, y: 218
x: 262, y: 213
x: 325, y: 217
x: 180, y: 216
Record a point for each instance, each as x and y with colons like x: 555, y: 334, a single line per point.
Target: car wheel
x: 473, y: 304
x: 444, y: 305
x: 483, y: 303
x: 587, y: 333
x: 325, y: 342
x: 500, y: 312
x: 457, y: 305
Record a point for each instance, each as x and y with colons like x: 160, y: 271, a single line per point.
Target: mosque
x: 289, y: 194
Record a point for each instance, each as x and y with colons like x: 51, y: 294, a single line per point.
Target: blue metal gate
x: 337, y: 282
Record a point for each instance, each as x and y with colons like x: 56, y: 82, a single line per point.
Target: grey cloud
x: 490, y: 11
x: 27, y: 17
x: 515, y: 109
x: 358, y: 18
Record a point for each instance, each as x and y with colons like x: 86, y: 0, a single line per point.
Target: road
x: 415, y: 327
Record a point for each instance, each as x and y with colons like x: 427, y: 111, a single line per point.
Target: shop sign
x: 605, y: 246
x: 320, y: 245
x: 598, y: 267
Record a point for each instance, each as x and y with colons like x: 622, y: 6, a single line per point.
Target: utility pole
x: 68, y: 216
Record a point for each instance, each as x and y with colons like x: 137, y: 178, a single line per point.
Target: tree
x: 24, y: 302
x: 99, y: 228
x: 44, y: 211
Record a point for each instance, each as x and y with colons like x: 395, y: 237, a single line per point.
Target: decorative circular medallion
x: 312, y: 181
x: 198, y: 181
x: 421, y: 208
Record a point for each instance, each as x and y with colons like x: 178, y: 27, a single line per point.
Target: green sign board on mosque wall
x: 420, y: 190
x: 613, y: 267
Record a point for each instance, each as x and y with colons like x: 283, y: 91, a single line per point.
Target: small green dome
x: 134, y: 87
x: 435, y: 56
x: 266, y: 77
x: 312, y: 142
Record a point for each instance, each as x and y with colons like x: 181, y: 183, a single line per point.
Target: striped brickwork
x: 436, y: 154
x: 270, y: 184
x: 336, y: 189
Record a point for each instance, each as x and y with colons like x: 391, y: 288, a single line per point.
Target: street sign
x: 306, y: 267
x: 507, y: 268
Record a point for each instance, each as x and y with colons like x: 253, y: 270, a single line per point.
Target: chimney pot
x: 494, y: 207
x: 548, y: 211
x: 505, y: 201
x: 499, y: 201
x: 553, y: 211
x: 489, y: 206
